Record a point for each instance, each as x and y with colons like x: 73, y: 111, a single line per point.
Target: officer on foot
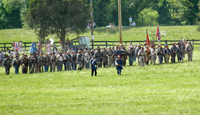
x: 118, y: 63
x: 94, y: 64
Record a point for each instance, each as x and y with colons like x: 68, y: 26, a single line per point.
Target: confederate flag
x: 148, y: 38
x: 158, y: 34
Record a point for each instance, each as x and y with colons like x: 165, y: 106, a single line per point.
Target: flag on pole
x: 147, y: 38
x: 158, y: 34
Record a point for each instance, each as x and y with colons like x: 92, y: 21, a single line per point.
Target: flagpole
x: 120, y: 21
x: 92, y: 27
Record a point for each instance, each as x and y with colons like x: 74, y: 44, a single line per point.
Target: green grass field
x: 168, y: 89
x: 110, y: 34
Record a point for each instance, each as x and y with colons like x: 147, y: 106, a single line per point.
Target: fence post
x: 193, y: 42
x: 106, y: 44
x: 4, y: 47
x: 25, y: 46
x: 165, y: 42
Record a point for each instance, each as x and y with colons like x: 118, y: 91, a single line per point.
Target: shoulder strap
x: 93, y: 62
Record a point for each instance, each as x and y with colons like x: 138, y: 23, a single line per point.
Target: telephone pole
x: 91, y: 15
x: 120, y: 21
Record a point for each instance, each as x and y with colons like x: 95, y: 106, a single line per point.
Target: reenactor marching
x: 148, y: 56
x: 167, y: 53
x: 104, y: 57
x: 93, y: 67
x: 153, y: 55
x: 41, y: 62
x: 73, y: 58
x: 30, y: 62
x: 98, y: 57
x: 179, y: 52
x: 160, y: 54
x: 131, y: 55
x: 16, y: 64
x: 53, y: 62
x: 173, y: 53
x: 80, y: 60
x: 1, y: 58
x: 93, y: 58
x: 47, y: 63
x: 124, y: 56
x: 7, y: 64
x: 67, y: 61
x: 189, y: 50
x: 25, y: 62
x: 87, y: 59
x: 118, y: 63
x: 50, y: 62
x: 34, y: 64
x: 110, y: 58
x: 142, y: 57
x: 60, y: 59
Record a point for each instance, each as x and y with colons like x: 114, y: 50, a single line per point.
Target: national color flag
x: 147, y: 38
x: 158, y: 34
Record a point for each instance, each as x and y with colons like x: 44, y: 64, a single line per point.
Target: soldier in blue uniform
x: 94, y: 64
x: 118, y: 63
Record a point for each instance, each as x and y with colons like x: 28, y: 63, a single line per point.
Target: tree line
x: 144, y: 12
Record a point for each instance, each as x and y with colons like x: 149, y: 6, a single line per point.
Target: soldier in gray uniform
x: 160, y: 54
x: 179, y: 52
x: 182, y: 48
x: 7, y: 64
x: 73, y: 57
x: 1, y: 58
x: 131, y: 55
x: 98, y: 57
x: 60, y: 59
x: 104, y: 57
x: 80, y: 60
x: 16, y: 64
x: 34, y: 64
x: 25, y: 62
x: 53, y: 62
x: 113, y: 57
x: 10, y: 55
x: 189, y: 50
x: 136, y: 51
x: 41, y: 62
x: 142, y: 57
x: 167, y: 54
x: 153, y: 55
x: 124, y: 56
x: 30, y: 62
x: 68, y: 61
x: 87, y: 59
x: 47, y: 62
x: 110, y: 58
x: 50, y: 62
x: 173, y: 53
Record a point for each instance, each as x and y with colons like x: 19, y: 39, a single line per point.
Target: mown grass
x: 110, y: 34
x: 160, y: 89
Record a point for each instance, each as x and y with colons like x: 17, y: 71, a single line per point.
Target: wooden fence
x: 26, y: 45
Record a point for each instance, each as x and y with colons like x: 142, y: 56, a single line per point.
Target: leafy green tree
x: 57, y: 17
x: 148, y: 17
x: 10, y: 14
x: 184, y: 10
x: 102, y: 12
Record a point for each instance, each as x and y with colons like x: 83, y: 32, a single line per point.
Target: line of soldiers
x: 105, y: 57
